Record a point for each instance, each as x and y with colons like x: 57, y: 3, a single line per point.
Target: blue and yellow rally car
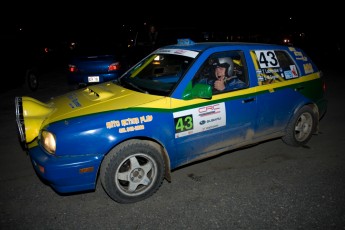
x: 180, y: 104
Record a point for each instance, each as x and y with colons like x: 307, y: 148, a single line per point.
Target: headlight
x: 48, y: 141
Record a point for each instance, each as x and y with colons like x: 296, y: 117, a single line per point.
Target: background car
x: 93, y: 62
x: 28, y: 56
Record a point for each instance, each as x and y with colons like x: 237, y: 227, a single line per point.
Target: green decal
x: 183, y: 123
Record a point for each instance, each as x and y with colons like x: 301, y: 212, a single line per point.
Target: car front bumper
x: 66, y: 174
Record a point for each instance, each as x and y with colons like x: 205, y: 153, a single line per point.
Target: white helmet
x: 227, y: 63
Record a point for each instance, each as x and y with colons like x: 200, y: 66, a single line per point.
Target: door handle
x: 248, y: 100
x: 299, y: 88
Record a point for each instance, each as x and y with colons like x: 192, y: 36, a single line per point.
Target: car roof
x: 201, y: 46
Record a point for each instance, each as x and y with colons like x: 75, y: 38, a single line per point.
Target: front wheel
x: 301, y: 128
x: 132, y: 171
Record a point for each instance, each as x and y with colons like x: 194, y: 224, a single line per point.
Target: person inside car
x: 222, y: 78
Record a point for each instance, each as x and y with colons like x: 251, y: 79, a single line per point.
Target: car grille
x: 20, y: 118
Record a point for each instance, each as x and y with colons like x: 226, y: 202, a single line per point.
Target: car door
x: 223, y: 122
x: 274, y: 69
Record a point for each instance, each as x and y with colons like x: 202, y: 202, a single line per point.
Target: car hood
x: 91, y: 100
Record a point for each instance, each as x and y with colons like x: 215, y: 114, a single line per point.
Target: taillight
x: 324, y: 87
x: 323, y: 82
x: 72, y: 68
x: 114, y: 66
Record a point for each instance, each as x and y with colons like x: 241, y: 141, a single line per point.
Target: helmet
x: 227, y: 63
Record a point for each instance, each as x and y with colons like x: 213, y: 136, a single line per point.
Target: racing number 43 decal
x: 199, y: 119
x: 267, y: 58
x: 183, y: 123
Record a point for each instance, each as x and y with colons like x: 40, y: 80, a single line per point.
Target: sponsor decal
x: 73, y: 101
x: 299, y: 56
x: 308, y: 68
x: 288, y: 74
x: 129, y: 124
x: 292, y: 73
x: 187, y: 53
x: 199, y: 119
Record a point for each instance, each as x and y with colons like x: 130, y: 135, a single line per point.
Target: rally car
x: 165, y: 112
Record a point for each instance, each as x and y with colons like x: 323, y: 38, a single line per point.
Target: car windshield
x: 158, y: 73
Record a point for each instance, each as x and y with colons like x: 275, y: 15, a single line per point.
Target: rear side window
x: 273, y: 66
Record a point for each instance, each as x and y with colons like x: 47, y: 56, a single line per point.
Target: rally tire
x: 301, y: 127
x: 132, y: 171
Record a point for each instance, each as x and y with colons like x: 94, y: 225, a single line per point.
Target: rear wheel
x: 132, y: 171
x: 301, y: 128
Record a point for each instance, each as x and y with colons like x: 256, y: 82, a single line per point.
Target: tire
x: 132, y: 171
x: 301, y: 128
x: 31, y: 81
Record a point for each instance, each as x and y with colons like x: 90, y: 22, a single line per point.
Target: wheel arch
x: 162, y: 150
x: 315, y: 109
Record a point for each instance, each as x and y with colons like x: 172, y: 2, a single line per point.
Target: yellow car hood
x: 93, y: 99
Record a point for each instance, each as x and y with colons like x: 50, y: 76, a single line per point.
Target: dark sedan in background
x: 93, y: 62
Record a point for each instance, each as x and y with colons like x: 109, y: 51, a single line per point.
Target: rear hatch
x: 94, y: 63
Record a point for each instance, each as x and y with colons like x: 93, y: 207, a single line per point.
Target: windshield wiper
x: 136, y: 87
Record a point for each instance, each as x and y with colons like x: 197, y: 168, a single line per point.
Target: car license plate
x: 93, y: 79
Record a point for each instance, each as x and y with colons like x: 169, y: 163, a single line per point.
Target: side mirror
x: 199, y: 90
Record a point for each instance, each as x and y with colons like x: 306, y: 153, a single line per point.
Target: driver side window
x: 224, y: 72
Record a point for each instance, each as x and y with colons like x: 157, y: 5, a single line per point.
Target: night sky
x: 102, y: 15
x: 323, y: 22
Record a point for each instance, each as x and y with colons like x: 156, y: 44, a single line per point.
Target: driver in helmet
x: 221, y: 78
x: 225, y: 80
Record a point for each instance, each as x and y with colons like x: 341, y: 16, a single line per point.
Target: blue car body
x: 159, y: 105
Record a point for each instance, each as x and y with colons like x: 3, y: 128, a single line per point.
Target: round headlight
x: 48, y: 141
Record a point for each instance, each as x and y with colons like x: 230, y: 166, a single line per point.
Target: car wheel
x: 31, y: 81
x: 301, y: 128
x: 132, y: 171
